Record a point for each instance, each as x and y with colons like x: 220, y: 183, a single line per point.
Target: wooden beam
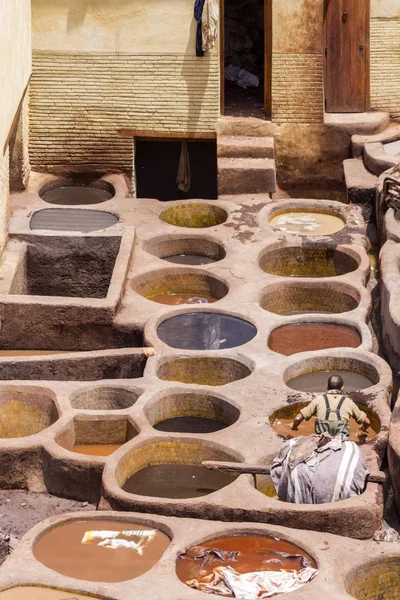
x: 244, y: 468
x: 163, y: 134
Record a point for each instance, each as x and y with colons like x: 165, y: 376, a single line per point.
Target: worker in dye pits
x: 333, y: 411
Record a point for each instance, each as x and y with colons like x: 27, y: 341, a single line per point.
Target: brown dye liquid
x: 283, y: 427
x: 30, y: 592
x: 316, y: 382
x: 293, y: 313
x: 307, y: 223
x: 174, y: 299
x: 96, y: 449
x: 291, y: 339
x: 254, y: 553
x: 189, y: 259
x: 190, y: 425
x: 31, y: 352
x: 176, y: 481
x: 61, y: 549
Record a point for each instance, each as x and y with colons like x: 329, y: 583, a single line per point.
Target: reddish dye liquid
x: 256, y: 553
x: 306, y: 337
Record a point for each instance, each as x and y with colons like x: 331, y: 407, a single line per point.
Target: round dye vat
x: 282, y: 419
x: 176, y: 481
x: 190, y: 259
x: 76, y: 195
x: 197, y: 215
x: 203, y: 371
x: 26, y: 411
x: 307, y: 261
x: 244, y: 554
x: 375, y: 580
x: 205, y: 331
x: 128, y: 552
x: 307, y: 222
x: 306, y: 337
x: 72, y: 219
x: 182, y: 287
x: 30, y: 592
x: 190, y: 425
x: 176, y: 299
x: 96, y: 449
x: 316, y: 382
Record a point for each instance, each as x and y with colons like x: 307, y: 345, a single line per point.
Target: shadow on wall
x: 76, y: 14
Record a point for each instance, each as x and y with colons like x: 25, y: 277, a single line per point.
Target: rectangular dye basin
x: 83, y: 366
x: 66, y: 267
x: 75, y: 279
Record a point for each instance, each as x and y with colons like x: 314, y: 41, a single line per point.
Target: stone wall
x: 79, y: 101
x: 297, y: 61
x: 104, y: 66
x: 385, y: 65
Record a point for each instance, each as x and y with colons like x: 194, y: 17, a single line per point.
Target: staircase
x: 246, y: 163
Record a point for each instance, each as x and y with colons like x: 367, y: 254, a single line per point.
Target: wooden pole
x: 244, y: 468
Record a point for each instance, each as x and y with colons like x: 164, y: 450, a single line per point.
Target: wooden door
x: 346, y: 55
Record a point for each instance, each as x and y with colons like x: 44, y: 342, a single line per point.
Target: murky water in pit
x: 96, y: 449
x: 63, y: 550
x: 176, y: 481
x: 283, y: 427
x: 190, y: 425
x: 255, y: 553
x: 316, y: 382
x: 189, y: 259
x: 31, y: 592
x: 175, y: 299
x: 76, y: 194
x: 307, y: 223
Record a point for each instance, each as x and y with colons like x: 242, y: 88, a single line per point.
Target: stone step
x: 366, y: 123
x: 245, y: 126
x: 390, y: 134
x: 360, y: 183
x: 246, y: 176
x: 245, y: 146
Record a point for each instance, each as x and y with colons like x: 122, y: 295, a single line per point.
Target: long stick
x: 244, y: 468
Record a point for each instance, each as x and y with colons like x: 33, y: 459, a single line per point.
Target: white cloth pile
x: 225, y: 581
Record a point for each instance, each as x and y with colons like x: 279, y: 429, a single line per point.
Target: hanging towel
x: 198, y: 14
x: 183, y: 178
x: 210, y: 24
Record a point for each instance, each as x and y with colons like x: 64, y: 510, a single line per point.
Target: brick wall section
x: 4, y: 194
x: 79, y: 101
x: 297, y: 88
x: 385, y: 65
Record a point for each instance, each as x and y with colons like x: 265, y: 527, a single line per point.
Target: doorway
x: 346, y: 25
x: 246, y: 51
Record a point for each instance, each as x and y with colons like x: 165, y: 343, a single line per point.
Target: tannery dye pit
x: 199, y: 565
x: 95, y: 449
x: 307, y: 223
x: 176, y: 481
x: 184, y: 287
x: 305, y: 337
x: 317, y: 381
x: 77, y: 194
x: 28, y: 592
x: 206, y: 331
x: 101, y: 550
x: 282, y: 419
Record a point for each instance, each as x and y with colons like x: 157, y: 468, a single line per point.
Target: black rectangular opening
x: 157, y: 163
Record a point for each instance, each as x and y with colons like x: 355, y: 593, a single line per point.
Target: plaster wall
x: 297, y: 63
x: 15, y: 63
x: 102, y: 66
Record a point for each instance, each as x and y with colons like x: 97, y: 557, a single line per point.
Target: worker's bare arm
x: 298, y: 419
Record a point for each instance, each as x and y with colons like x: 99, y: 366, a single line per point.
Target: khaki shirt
x: 348, y: 409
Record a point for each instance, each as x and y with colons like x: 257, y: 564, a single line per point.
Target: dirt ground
x: 20, y: 511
